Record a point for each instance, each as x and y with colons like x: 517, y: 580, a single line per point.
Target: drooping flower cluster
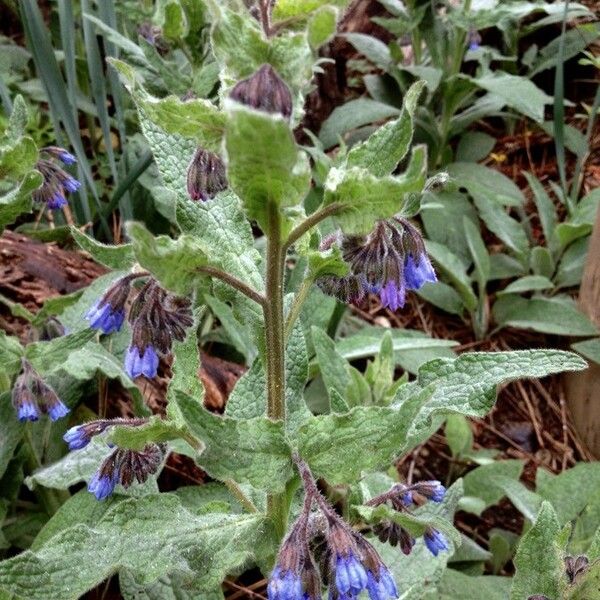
x: 32, y: 396
x: 205, y: 176
x: 57, y: 182
x: 388, y: 261
x: 156, y: 316
x: 122, y: 465
x: 351, y: 564
x: 401, y: 497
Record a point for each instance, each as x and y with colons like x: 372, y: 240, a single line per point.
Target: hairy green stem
x: 235, y: 283
x: 310, y: 222
x: 51, y: 500
x: 274, y: 334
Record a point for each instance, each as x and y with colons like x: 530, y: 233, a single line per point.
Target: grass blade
x: 49, y: 72
x: 559, y: 107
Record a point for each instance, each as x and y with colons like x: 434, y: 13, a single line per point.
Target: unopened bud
x: 266, y: 91
x: 205, y: 176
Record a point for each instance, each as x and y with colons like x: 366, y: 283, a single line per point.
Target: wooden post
x: 583, y: 387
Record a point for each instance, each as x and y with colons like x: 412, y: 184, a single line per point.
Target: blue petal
x: 132, y: 359
x: 150, y: 362
x: 102, y: 486
x: 418, y: 272
x: 28, y: 412
x: 66, y: 157
x: 391, y: 296
x: 58, y: 411
x: 71, y: 184
x: 76, y: 438
x: 357, y: 574
x: 56, y: 201
x: 342, y: 577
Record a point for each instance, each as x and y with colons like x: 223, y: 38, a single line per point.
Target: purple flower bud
x: 473, y: 40
x: 63, y: 155
x: 205, y: 176
x: 284, y: 585
x: 265, y: 91
x: 56, y: 201
x: 435, y: 541
x: 56, y: 182
x: 123, y: 466
x: 382, y: 588
x: 58, y: 410
x: 48, y: 401
x: 141, y: 362
x: 393, y: 295
x: 407, y: 498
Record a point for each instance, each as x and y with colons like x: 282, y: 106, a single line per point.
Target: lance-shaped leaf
x: 467, y: 384
x: 18, y: 200
x: 150, y: 537
x: 46, y: 356
x: 113, y: 257
x: 252, y: 451
x: 17, y: 157
x: 389, y: 144
x: 539, y: 559
x: 265, y: 168
x: 365, y: 198
x: 198, y: 119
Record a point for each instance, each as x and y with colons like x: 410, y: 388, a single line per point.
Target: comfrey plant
x: 233, y: 173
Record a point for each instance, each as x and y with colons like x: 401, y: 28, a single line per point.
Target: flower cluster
x: 205, y: 176
x: 156, y: 316
x: 123, y: 465
x: 388, y: 261
x: 401, y: 497
x: 351, y: 564
x: 32, y: 396
x: 57, y: 182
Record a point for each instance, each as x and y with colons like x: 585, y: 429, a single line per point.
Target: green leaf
x: 486, y: 183
x: 71, y: 468
x: 11, y: 352
x: 18, y: 200
x: 197, y: 119
x: 321, y: 26
x: 467, y: 384
x: 389, y: 144
x: 241, y: 48
x: 168, y: 539
x: 455, y: 584
x: 590, y: 349
x: 11, y: 431
x: 286, y: 9
x: 17, y: 157
x: 454, y: 269
x: 474, y: 146
x: 351, y: 115
x: 113, y: 257
x: 544, y: 205
x: 174, y: 263
x: 459, y: 435
x: 529, y: 283
x: 328, y: 262
x: 249, y: 396
x: 171, y: 18
x: 47, y: 356
x: 372, y: 48
x: 518, y: 93
x: 334, y: 368
x: 480, y: 255
x: 443, y: 296
x: 340, y: 447
x: 509, y: 230
x: 559, y: 489
x: 365, y: 198
x: 539, y: 559
x: 528, y: 503
x: 547, y: 315
x: 250, y: 451
x: 17, y: 122
x: 264, y: 165
x: 480, y: 482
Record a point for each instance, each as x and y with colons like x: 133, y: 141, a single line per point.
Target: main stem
x: 275, y: 350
